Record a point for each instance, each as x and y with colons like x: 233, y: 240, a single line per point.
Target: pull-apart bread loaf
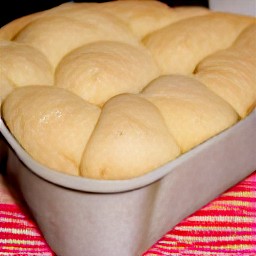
x: 117, y: 89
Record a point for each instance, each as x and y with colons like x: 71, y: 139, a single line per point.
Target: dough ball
x: 56, y: 36
x: 179, y: 47
x: 192, y: 112
x: 231, y: 73
x: 144, y: 17
x: 101, y: 70
x: 129, y: 140
x: 51, y: 124
x: 24, y: 65
x: 6, y: 87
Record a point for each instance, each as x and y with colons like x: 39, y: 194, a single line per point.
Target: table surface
x: 225, y: 226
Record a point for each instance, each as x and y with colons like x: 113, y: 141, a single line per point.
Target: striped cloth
x: 226, y: 226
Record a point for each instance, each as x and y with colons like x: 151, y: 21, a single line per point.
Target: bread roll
x: 108, y: 26
x: 179, y: 47
x: 68, y: 7
x: 55, y: 36
x: 24, y: 65
x: 246, y: 40
x: 6, y: 87
x: 192, y: 112
x: 129, y: 140
x: 51, y: 124
x: 101, y: 70
x: 231, y: 73
x: 184, y: 12
x: 11, y: 29
x: 144, y: 17
x: 72, y: 8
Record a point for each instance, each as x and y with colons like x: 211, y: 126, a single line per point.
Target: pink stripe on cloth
x: 253, y: 178
x: 226, y: 226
